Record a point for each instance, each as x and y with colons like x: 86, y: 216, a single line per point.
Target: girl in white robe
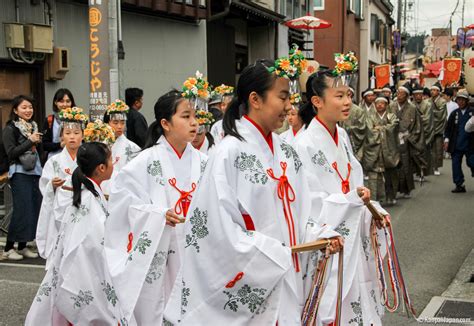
x: 217, y: 131
x: 337, y: 199
x: 149, y: 200
x: 204, y: 141
x: 123, y: 149
x: 250, y: 208
x: 296, y: 127
x: 77, y: 289
x: 57, y: 170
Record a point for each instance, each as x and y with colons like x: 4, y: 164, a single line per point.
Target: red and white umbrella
x: 470, y: 26
x: 308, y: 22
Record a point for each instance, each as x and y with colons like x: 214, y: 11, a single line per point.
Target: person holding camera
x: 22, y: 142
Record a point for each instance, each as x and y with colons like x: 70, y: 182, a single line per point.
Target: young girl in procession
x: 149, y: 200
x: 338, y: 196
x: 225, y: 93
x: 77, y: 289
x: 123, y: 150
x: 251, y: 206
x: 294, y: 120
x: 57, y: 170
x: 204, y: 142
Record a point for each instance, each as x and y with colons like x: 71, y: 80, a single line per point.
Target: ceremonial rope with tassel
x: 397, y: 281
x: 184, y: 200
x: 287, y: 195
x: 310, y: 310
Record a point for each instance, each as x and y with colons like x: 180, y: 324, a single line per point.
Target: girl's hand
x: 172, y: 219
x: 336, y: 245
x: 57, y: 182
x: 364, y: 194
x: 35, y: 137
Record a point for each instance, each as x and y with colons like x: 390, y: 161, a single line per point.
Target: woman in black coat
x: 22, y: 142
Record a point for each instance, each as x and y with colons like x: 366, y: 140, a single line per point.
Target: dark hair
x: 165, y: 107
x: 316, y: 85
x: 254, y: 78
x: 449, y: 92
x: 16, y: 103
x: 132, y: 95
x: 58, y: 96
x: 89, y: 156
x: 210, y: 139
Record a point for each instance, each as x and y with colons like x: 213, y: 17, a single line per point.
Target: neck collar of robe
x: 383, y: 114
x: 203, y: 141
x: 268, y: 138
x: 175, y: 150
x: 335, y: 137
x: 94, y: 181
x: 295, y: 132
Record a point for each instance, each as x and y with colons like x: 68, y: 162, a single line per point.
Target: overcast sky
x: 436, y: 13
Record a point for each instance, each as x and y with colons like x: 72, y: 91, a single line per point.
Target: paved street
x: 434, y: 232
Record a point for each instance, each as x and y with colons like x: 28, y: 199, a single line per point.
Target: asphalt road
x: 434, y: 233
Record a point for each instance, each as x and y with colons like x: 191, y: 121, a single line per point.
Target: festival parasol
x: 308, y: 22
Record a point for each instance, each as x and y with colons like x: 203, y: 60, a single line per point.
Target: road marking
x: 21, y: 265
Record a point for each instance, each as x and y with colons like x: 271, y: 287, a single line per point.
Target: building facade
x: 438, y: 45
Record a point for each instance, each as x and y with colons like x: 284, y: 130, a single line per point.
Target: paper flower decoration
x: 73, y: 115
x: 223, y: 90
x: 196, y: 87
x: 98, y: 131
x: 345, y: 63
x: 295, y: 99
x: 204, y: 118
x: 290, y: 67
x: 118, y: 106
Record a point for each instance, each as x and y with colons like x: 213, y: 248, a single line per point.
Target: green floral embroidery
x: 320, y: 159
x: 130, y: 154
x: 357, y: 310
x: 123, y: 322
x: 56, y: 168
x: 185, y: 293
x: 347, y: 152
x: 290, y: 152
x: 166, y: 322
x: 83, y: 298
x: 156, y: 267
x: 109, y: 291
x: 141, y: 245
x: 372, y: 294
x: 365, y: 246
x: 199, y: 229
x: 79, y: 213
x: 203, y: 166
x: 246, y: 296
x: 252, y: 164
x: 44, y: 290
x: 155, y: 170
x: 342, y: 230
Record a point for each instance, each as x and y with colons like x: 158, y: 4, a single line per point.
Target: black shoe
x: 458, y: 189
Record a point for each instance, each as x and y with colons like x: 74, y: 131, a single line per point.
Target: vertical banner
x: 452, y: 70
x: 99, y: 72
x: 382, y: 75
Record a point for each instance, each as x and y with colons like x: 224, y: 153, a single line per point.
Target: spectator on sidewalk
x: 22, y: 143
x: 458, y: 141
x: 136, y: 122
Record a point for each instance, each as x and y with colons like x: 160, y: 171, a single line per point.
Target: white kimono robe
x: 289, y: 136
x: 61, y: 166
x: 217, y: 131
x: 123, y: 151
x: 78, y: 288
x: 346, y: 213
x: 143, y: 253
x: 238, y: 268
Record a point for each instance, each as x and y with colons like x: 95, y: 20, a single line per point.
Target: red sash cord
x: 182, y: 205
x: 287, y: 195
x: 344, y: 182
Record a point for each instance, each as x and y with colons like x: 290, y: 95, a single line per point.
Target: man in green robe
x: 356, y: 127
x: 440, y: 113
x: 382, y: 152
x: 410, y: 135
x: 426, y: 112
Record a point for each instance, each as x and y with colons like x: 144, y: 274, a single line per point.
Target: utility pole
x: 399, y: 15
x: 462, y: 13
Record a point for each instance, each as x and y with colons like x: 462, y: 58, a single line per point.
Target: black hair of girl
x: 89, y: 157
x: 210, y: 139
x: 16, y: 103
x: 165, y: 107
x: 316, y: 85
x: 58, y: 96
x: 254, y: 78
